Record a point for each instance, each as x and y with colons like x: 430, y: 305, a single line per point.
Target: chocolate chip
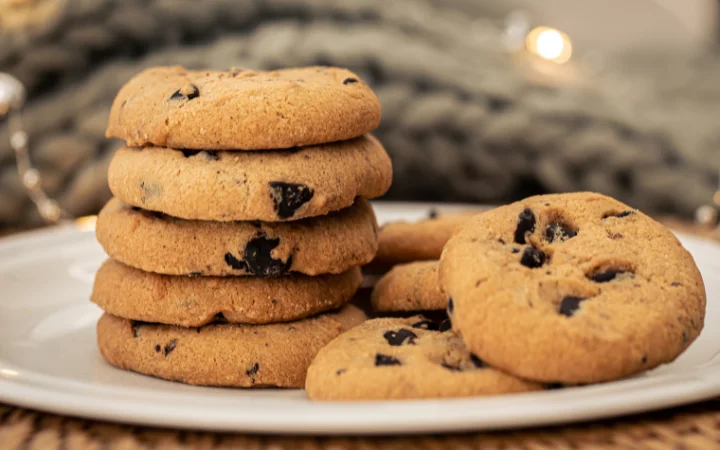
x: 445, y: 325
x: 433, y: 213
x: 619, y: 215
x: 532, y: 258
x: 426, y: 325
x: 350, y: 80
x: 559, y: 231
x: 289, y: 197
x: 188, y: 92
x: 608, y: 275
x: 340, y: 372
x: 258, y: 259
x: 525, y: 224
x: 479, y: 363
x: 253, y: 370
x: 135, y: 327
x: 400, y: 337
x: 219, y: 318
x: 515, y: 250
x: 569, y: 305
x: 194, y: 274
x: 385, y: 360
x: 169, y: 347
x: 157, y: 348
x: 451, y: 306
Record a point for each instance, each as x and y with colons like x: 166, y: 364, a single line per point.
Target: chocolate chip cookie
x: 409, y: 287
x: 160, y: 243
x: 386, y: 359
x: 232, y: 355
x: 572, y: 288
x: 242, y: 109
x: 268, y: 186
x: 196, y: 301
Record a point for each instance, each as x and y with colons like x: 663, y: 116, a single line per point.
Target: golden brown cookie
x: 196, y: 301
x: 385, y: 359
x: 409, y: 287
x: 403, y: 242
x: 159, y: 243
x: 268, y: 186
x: 233, y: 355
x: 572, y: 288
x: 242, y: 109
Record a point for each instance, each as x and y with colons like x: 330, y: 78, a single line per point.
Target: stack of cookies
x: 239, y: 222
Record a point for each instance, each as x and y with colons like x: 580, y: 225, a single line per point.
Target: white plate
x: 48, y: 361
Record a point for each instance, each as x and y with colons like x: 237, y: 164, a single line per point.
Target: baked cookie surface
x: 409, y: 287
x: 134, y: 294
x: 402, y: 359
x: 159, y: 243
x: 268, y: 186
x: 275, y: 355
x: 242, y: 109
x: 572, y: 288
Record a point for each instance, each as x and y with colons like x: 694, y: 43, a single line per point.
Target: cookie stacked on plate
x: 239, y: 221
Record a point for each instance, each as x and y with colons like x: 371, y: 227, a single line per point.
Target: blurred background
x: 483, y: 100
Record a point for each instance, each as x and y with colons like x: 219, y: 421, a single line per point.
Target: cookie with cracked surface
x: 385, y: 359
x: 242, y: 109
x: 274, y: 355
x: 409, y: 287
x: 196, y: 301
x: 159, y: 243
x: 572, y: 288
x: 269, y: 186
x: 404, y: 242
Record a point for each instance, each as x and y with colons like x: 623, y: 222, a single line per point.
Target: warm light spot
x: 550, y: 44
x: 86, y: 223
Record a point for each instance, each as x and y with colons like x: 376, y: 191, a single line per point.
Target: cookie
x: 232, y: 355
x: 242, y: 109
x: 386, y: 359
x: 268, y: 186
x: 572, y: 288
x: 403, y: 242
x: 155, y: 242
x: 409, y: 287
x: 196, y: 301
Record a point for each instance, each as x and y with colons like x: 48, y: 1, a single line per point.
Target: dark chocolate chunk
x: 451, y: 306
x: 569, y: 305
x: 426, y: 325
x: 135, y: 327
x: 445, y: 325
x: 515, y: 250
x: 253, y: 370
x: 169, y: 347
x: 183, y: 94
x: 350, y: 80
x: 385, y: 360
x: 525, y: 224
x: 289, y: 197
x: 479, y: 363
x: 219, y: 318
x: 619, y: 215
x: 340, y: 372
x: 532, y: 258
x: 608, y: 275
x: 400, y: 337
x: 258, y: 259
x: 559, y: 231
x: 157, y: 348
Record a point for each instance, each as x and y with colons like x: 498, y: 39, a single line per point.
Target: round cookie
x: 572, y: 288
x: 275, y: 355
x: 385, y: 359
x: 403, y: 242
x: 242, y: 109
x: 196, y: 301
x: 155, y: 242
x: 268, y: 186
x: 409, y: 287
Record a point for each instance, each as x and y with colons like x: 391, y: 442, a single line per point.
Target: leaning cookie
x: 232, y: 355
x: 196, y: 301
x: 403, y: 242
x: 572, y: 288
x: 269, y: 186
x: 151, y: 241
x: 385, y: 359
x: 242, y: 109
x: 409, y: 287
